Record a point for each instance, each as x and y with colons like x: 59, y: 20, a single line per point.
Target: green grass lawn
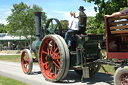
x: 108, y: 68
x: 12, y: 58
x: 9, y: 81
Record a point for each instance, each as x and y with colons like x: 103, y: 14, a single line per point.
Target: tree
x: 64, y: 24
x: 91, y: 25
x: 2, y: 28
x: 106, y: 7
x: 22, y: 21
x: 36, y: 8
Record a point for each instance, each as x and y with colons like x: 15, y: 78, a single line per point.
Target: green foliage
x: 36, y: 8
x: 106, y: 8
x: 22, y: 21
x: 64, y: 24
x: 91, y: 25
x: 2, y: 28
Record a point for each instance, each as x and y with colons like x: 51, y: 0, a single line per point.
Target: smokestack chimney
x: 38, y: 25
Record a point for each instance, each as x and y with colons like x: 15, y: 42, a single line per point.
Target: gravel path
x: 13, y: 70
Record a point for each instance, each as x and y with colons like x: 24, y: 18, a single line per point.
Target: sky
x: 59, y: 9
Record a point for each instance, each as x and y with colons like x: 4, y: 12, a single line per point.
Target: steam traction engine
x: 54, y: 56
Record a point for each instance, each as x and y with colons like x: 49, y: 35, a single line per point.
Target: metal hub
x: 124, y: 79
x: 49, y: 58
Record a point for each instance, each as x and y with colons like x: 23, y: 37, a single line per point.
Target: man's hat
x: 81, y: 8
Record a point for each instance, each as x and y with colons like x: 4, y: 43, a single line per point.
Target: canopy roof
x: 12, y: 38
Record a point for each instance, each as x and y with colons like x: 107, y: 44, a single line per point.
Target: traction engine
x: 54, y: 56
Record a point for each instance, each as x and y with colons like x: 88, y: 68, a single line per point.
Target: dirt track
x: 13, y: 70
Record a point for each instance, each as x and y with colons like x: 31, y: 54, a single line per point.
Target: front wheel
x: 26, y: 61
x: 121, y: 76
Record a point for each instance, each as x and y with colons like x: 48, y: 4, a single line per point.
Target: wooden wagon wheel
x: 54, y: 58
x: 26, y: 61
x: 53, y: 26
x: 121, y: 76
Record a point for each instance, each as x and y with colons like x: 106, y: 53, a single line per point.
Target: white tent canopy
x: 12, y: 38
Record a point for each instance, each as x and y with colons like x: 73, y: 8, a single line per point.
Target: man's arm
x: 114, y: 14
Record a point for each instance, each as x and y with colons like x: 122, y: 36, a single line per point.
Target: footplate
x: 85, y: 73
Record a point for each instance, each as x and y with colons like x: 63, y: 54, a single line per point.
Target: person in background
x: 124, y: 11
x: 73, y: 26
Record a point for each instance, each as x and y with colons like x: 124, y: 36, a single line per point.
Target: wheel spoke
x: 45, y: 63
x: 23, y: 58
x: 27, y: 60
x: 56, y: 57
x: 53, y: 45
x: 54, y: 54
x: 55, y: 71
x: 46, y: 66
x: 44, y: 52
x: 52, y: 24
x: 56, y: 65
x: 48, y: 51
x: 50, y: 48
x: 56, y: 26
x: 50, y: 69
x: 55, y: 50
x: 58, y: 61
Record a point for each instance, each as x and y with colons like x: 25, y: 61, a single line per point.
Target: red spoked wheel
x: 26, y: 61
x: 121, y: 76
x: 54, y: 58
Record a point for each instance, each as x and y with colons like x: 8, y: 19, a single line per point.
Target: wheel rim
x: 50, y: 58
x: 25, y: 61
x: 124, y: 79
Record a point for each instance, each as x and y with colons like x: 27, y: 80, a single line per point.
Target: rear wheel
x: 54, y: 58
x: 26, y: 61
x: 93, y: 67
x: 92, y: 70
